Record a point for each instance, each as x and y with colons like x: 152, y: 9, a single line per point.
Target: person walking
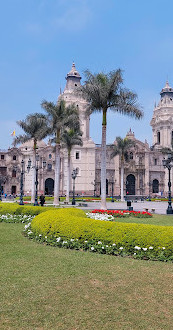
x: 42, y: 200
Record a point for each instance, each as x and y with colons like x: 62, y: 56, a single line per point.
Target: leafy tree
x: 35, y: 128
x: 121, y: 148
x: 59, y: 117
x: 103, y: 92
x: 70, y: 138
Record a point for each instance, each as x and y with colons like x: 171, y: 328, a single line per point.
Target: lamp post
x: 0, y: 192
x: 1, y: 181
x: 21, y: 179
x: 36, y: 177
x: 74, y: 175
x: 36, y: 181
x: 21, y: 183
x: 167, y: 164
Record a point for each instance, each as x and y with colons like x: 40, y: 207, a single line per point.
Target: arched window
x: 13, y: 173
x: 49, y: 167
x: 78, y: 171
x: 131, y: 155
x: 155, y: 186
x: 130, y: 185
x: 158, y: 137
x: 14, y: 157
x: 50, y: 156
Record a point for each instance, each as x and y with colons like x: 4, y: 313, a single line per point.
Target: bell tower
x: 71, y: 95
x: 162, y: 120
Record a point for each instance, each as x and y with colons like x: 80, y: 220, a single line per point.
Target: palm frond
x: 103, y: 91
x: 121, y: 147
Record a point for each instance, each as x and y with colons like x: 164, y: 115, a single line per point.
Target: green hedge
x: 73, y: 224
x: 22, y: 209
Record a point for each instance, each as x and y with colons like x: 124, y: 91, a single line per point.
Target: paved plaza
x: 157, y: 207
x: 152, y: 207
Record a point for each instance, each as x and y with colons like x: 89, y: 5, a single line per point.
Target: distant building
x: 144, y: 172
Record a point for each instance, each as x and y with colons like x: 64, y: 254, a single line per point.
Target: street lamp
x: 112, y: 183
x: 2, y: 180
x: 74, y: 175
x: 167, y: 164
x: 36, y: 181
x: 21, y: 178
x: 36, y: 177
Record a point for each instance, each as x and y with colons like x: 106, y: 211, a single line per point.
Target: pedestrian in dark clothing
x: 42, y: 200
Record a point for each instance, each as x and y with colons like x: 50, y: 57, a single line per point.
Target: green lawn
x: 157, y: 219
x: 50, y: 288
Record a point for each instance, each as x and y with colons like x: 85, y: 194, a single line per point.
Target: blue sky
x: 41, y: 38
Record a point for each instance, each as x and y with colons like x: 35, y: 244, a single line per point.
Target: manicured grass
x: 50, y: 288
x: 157, y: 219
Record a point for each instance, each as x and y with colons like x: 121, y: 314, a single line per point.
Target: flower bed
x: 70, y: 229
x: 147, y: 253
x: 124, y: 213
x: 16, y: 218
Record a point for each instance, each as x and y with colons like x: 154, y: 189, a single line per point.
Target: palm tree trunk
x: 68, y: 178
x: 122, y: 182
x: 57, y: 174
x: 103, y: 164
x: 33, y: 174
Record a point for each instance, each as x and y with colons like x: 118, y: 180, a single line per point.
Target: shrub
x: 9, y: 208
x: 73, y: 224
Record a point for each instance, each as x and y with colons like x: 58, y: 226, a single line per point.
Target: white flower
x: 121, y: 248
x: 144, y: 249
x: 98, y: 216
x: 134, y: 254
x: 150, y: 247
x: 113, y: 244
x: 103, y: 247
x: 40, y: 235
x: 64, y: 242
x: 86, y: 241
x: 46, y: 237
x: 27, y: 226
x: 163, y: 248
x: 92, y: 248
x: 72, y: 240
x: 107, y: 245
x: 99, y: 242
x: 137, y: 247
x: 58, y: 239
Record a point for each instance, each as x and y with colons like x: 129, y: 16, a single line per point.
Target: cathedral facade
x: 144, y: 174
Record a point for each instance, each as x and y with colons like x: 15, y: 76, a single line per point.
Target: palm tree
x: 103, y: 92
x: 35, y: 128
x: 121, y: 148
x: 70, y: 138
x: 59, y: 117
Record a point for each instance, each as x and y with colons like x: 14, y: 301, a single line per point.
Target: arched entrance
x: 155, y: 186
x: 130, y: 185
x: 49, y: 186
x: 106, y: 187
x: 13, y: 190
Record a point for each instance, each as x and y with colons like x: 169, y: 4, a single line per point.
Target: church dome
x: 167, y: 90
x: 73, y: 72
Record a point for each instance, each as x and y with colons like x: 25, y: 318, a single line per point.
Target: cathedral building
x: 144, y: 174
